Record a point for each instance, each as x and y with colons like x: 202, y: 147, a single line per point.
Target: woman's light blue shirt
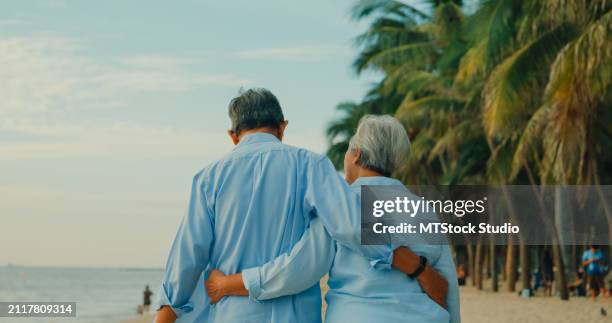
x: 357, y: 293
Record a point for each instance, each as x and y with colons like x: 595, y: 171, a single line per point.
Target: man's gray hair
x: 255, y: 108
x: 383, y: 142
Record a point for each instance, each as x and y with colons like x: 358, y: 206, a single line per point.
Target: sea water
x: 101, y: 294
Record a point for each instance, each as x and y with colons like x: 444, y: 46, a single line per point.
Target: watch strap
x: 420, y: 269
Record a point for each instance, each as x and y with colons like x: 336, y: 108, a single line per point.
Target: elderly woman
x: 357, y: 293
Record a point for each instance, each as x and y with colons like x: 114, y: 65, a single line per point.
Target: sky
x: 108, y: 108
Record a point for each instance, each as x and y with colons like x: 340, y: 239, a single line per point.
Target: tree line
x: 492, y: 93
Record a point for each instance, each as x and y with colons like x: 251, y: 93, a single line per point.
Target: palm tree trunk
x: 471, y: 263
x: 560, y: 274
x: 525, y: 267
x: 493, y: 270
x: 479, y: 266
x: 504, y: 250
x: 511, y: 253
x: 560, y: 235
x: 486, y: 262
x: 511, y: 266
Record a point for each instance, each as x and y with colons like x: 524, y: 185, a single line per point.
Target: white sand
x: 503, y: 307
x: 142, y: 319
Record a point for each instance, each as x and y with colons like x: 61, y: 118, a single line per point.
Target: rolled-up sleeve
x: 189, y: 254
x: 330, y: 198
x: 291, y: 273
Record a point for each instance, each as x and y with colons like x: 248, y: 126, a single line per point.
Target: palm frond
x: 406, y: 79
x: 582, y: 69
x: 578, y: 95
x: 465, y: 131
x: 509, y: 92
x: 472, y: 64
x: 390, y: 32
x: 366, y: 8
x: 529, y: 140
x: 421, y: 146
x: 378, y: 57
x: 448, y: 23
x: 431, y: 103
x: 495, y: 22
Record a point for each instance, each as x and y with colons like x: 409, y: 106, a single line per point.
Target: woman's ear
x: 355, y: 156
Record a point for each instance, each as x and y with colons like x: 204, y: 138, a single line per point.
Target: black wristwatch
x: 420, y: 269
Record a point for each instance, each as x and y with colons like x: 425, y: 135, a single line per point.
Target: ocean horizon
x: 102, y: 294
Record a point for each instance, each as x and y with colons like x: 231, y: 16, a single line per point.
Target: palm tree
x: 516, y: 92
x: 536, y: 102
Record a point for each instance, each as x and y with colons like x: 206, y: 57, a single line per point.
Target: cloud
x: 51, y: 73
x: 157, y: 61
x: 12, y: 22
x: 90, y: 139
x: 50, y: 85
x: 303, y: 53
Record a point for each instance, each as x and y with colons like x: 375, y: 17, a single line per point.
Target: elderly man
x: 252, y: 206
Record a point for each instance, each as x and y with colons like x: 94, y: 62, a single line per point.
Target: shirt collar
x: 257, y: 137
x: 375, y: 180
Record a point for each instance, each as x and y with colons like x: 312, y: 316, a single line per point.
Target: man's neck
x: 267, y: 130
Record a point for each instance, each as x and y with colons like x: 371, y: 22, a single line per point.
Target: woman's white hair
x: 383, y: 142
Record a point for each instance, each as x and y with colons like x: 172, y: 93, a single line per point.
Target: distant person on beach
x: 357, y: 293
x: 146, y: 298
x: 252, y: 206
x: 592, y: 261
x: 461, y: 275
x: 578, y: 285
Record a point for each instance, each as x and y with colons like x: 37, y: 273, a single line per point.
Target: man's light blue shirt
x: 357, y: 293
x: 250, y: 207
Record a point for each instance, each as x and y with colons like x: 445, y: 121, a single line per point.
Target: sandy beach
x: 503, y: 307
x: 142, y: 319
